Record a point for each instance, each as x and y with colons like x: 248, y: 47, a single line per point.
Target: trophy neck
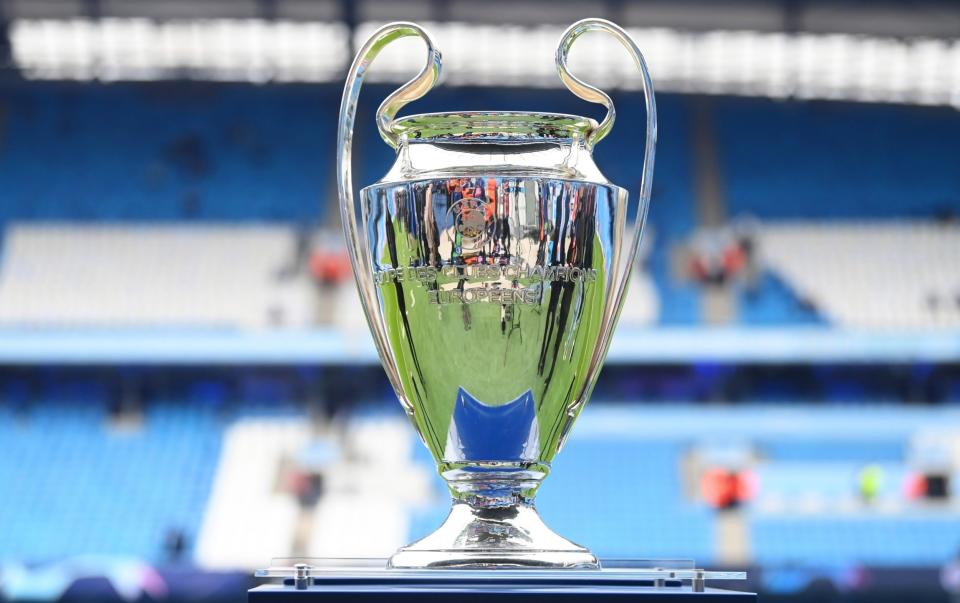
x: 417, y: 160
x: 478, y: 143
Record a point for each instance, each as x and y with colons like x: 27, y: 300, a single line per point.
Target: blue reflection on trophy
x: 481, y: 432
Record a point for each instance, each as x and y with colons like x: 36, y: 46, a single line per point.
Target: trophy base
x: 368, y: 580
x: 511, y: 536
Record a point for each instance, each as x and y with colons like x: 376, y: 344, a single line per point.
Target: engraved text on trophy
x: 511, y: 284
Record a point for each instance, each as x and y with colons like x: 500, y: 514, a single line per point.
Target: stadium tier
x: 85, y: 487
x: 137, y: 154
x: 173, y: 241
x: 137, y: 275
x: 722, y: 248
x: 189, y: 389
x: 230, y: 484
x: 835, y: 161
x: 870, y: 274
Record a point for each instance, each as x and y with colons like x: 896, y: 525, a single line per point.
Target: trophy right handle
x: 621, y: 273
x: 357, y: 245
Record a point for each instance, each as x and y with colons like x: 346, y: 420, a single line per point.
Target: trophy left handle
x: 350, y: 213
x: 623, y: 259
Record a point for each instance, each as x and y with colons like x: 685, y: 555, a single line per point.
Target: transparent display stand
x: 369, y: 580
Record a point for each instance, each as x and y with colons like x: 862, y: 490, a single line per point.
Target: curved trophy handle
x: 356, y: 243
x: 595, y: 95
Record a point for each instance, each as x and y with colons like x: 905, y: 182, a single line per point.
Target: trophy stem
x: 491, y: 484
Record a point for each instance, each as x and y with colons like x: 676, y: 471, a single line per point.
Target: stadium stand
x: 151, y: 276
x: 188, y: 387
x: 813, y: 169
x: 661, y: 522
x: 208, y: 232
x: 841, y: 539
x: 635, y: 467
x: 372, y: 491
x: 889, y: 274
x: 798, y: 487
x: 359, y: 505
x: 641, y: 306
x: 209, y: 155
x: 247, y: 512
x: 664, y: 521
x: 164, y: 153
x: 672, y: 217
x: 84, y: 487
x: 770, y: 302
x: 213, y: 154
x: 837, y: 161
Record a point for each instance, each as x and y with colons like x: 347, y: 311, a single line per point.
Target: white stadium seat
x: 128, y: 275
x: 870, y: 275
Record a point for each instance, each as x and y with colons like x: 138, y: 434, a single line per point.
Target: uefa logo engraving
x: 468, y: 218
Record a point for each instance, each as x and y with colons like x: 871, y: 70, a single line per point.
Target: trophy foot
x: 511, y: 536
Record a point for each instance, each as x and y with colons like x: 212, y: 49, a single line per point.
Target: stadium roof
x: 928, y: 18
x: 904, y: 52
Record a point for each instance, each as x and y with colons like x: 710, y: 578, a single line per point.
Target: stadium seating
x: 916, y: 539
x: 625, y: 484
x: 828, y: 482
x: 837, y: 161
x: 623, y: 497
x: 239, y: 153
x: 152, y: 275
x: 177, y: 244
x: 248, y: 514
x: 83, y: 487
x: 870, y: 449
x: 884, y: 274
x: 180, y: 153
x: 671, y: 217
x: 372, y: 492
x: 771, y: 302
x: 217, y: 154
x: 828, y: 162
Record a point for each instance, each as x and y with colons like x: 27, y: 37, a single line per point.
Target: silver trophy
x: 491, y: 261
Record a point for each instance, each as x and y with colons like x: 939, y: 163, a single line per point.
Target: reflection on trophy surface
x: 491, y: 261
x: 493, y: 325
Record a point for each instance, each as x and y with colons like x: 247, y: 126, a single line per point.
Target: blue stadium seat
x: 930, y: 539
x: 246, y: 153
x: 123, y: 153
x: 83, y: 488
x: 773, y: 303
x: 622, y: 497
x: 837, y: 161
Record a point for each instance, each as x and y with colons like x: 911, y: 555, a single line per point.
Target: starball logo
x: 469, y: 219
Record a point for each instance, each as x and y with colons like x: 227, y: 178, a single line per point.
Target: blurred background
x: 188, y: 388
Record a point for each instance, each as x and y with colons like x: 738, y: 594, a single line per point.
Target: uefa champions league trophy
x: 491, y: 262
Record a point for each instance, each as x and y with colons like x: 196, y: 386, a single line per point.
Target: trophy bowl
x: 491, y: 262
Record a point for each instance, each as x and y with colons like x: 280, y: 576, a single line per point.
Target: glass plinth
x: 368, y: 580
